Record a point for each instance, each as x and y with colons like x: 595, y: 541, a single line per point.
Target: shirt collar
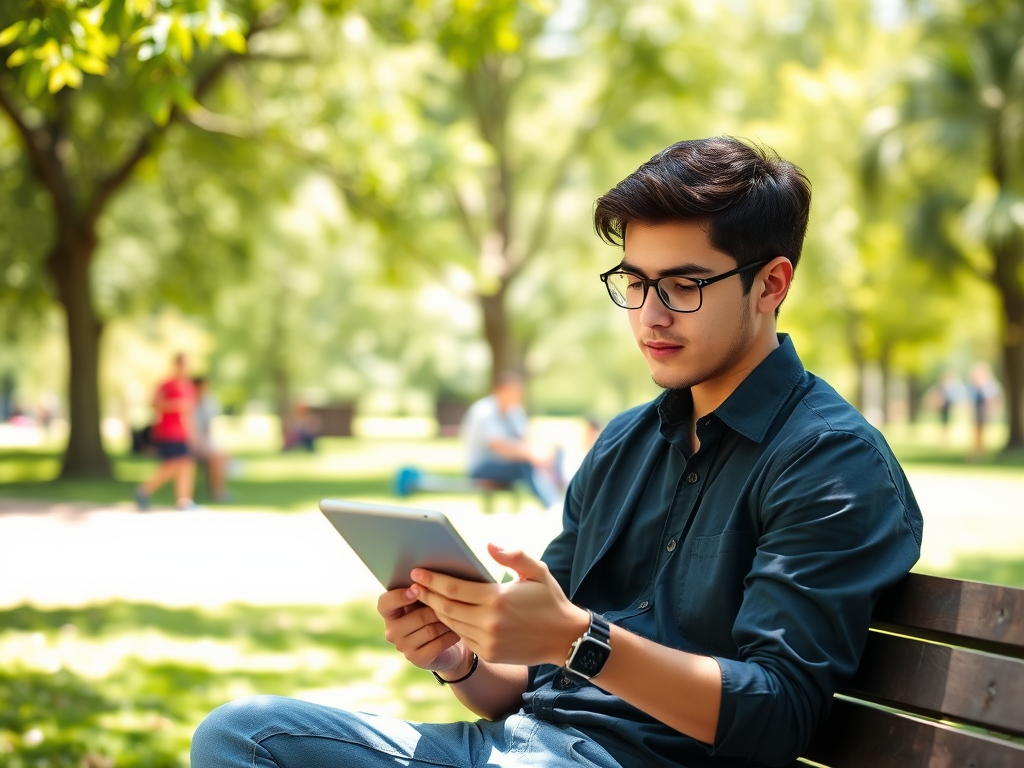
x: 752, y: 406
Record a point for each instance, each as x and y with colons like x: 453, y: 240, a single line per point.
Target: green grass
x: 125, y: 684
x: 281, y: 481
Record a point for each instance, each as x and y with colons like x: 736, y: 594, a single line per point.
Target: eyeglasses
x: 677, y: 292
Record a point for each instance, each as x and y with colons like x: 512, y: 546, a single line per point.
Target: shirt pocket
x: 712, y: 589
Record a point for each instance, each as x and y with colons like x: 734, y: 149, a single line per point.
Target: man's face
x: 688, y: 349
x: 509, y: 394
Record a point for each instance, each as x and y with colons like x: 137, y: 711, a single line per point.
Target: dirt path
x: 73, y: 554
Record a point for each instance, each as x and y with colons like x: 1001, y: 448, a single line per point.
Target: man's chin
x: 666, y: 380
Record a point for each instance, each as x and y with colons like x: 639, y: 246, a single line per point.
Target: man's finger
x: 460, y: 590
x: 528, y: 568
x: 394, y: 603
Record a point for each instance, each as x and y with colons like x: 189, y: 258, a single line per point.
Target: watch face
x: 589, y: 658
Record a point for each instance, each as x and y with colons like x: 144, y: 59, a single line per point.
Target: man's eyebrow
x: 682, y: 269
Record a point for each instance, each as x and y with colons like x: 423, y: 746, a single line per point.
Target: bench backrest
x: 941, y: 682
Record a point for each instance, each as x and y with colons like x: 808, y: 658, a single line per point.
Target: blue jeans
x: 511, y: 471
x: 277, y: 732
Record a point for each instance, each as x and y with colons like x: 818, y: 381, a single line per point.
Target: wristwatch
x: 589, y: 653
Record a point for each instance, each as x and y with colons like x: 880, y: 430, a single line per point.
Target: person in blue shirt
x: 494, y: 432
x: 722, y: 547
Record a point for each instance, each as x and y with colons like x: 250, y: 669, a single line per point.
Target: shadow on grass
x: 143, y: 709
x: 285, y: 628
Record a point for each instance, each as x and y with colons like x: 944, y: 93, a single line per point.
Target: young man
x: 722, y: 546
x: 497, y: 448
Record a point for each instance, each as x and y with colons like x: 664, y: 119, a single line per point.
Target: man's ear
x: 773, y: 281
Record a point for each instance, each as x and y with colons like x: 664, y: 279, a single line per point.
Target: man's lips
x: 662, y: 349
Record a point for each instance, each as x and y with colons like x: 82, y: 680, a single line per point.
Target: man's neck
x: 709, y: 395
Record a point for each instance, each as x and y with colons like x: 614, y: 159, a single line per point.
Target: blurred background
x: 355, y: 214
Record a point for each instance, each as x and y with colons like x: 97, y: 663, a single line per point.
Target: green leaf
x: 12, y: 32
x: 183, y: 37
x: 233, y: 40
x: 35, y: 79
x: 63, y: 74
x: 18, y: 58
x: 90, y: 64
x: 183, y: 97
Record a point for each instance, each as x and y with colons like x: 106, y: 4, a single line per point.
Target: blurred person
x: 946, y: 393
x: 722, y: 546
x: 302, y: 429
x: 204, y: 449
x: 494, y: 433
x: 173, y: 406
x: 983, y: 393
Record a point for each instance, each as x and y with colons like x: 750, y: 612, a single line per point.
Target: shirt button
x: 644, y: 604
x: 671, y: 547
x: 564, y: 682
x: 693, y: 477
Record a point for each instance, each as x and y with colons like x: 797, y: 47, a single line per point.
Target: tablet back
x: 393, y: 540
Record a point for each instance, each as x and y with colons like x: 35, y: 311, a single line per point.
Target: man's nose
x: 653, y: 312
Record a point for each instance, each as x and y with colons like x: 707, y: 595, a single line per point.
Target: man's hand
x: 526, y: 621
x: 415, y: 631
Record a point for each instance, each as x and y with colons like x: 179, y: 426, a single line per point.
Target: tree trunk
x: 68, y: 265
x: 1013, y: 370
x: 913, y: 397
x: 1008, y: 259
x: 498, y: 333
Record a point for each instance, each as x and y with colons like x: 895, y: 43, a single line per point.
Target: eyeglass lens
x: 679, y: 293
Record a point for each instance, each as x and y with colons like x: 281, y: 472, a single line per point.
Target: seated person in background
x: 203, y: 447
x: 302, y: 429
x: 494, y: 433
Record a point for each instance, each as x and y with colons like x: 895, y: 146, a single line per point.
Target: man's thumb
x: 524, y: 565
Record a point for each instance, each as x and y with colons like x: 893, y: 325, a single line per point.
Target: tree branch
x: 38, y: 147
x: 116, y: 179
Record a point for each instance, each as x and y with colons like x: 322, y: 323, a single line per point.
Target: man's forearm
x: 493, y: 691
x: 511, y: 450
x: 682, y: 690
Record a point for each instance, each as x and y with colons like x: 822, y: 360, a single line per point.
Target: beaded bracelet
x: 472, y: 669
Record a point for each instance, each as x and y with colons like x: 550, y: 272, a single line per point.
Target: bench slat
x: 939, y: 681
x: 991, y: 616
x: 860, y: 736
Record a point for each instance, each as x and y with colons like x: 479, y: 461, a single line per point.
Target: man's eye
x: 681, y: 286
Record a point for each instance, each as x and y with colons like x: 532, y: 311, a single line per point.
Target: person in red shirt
x: 173, y: 404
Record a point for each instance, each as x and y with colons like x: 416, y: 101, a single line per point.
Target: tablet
x: 393, y: 540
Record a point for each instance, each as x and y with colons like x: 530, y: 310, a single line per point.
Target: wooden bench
x: 941, y: 683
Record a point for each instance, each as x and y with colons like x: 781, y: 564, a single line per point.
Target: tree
x: 959, y: 138
x: 91, y: 88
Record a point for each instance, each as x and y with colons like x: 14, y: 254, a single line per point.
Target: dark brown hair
x: 753, y: 203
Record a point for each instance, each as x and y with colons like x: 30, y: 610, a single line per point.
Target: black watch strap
x: 588, y: 654
x: 600, y: 629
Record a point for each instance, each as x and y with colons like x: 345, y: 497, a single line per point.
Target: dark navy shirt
x: 766, y: 549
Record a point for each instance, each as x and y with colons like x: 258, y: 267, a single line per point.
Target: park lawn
x: 341, y: 467
x: 125, y: 684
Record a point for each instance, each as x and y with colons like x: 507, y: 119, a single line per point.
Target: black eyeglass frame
x: 652, y: 282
